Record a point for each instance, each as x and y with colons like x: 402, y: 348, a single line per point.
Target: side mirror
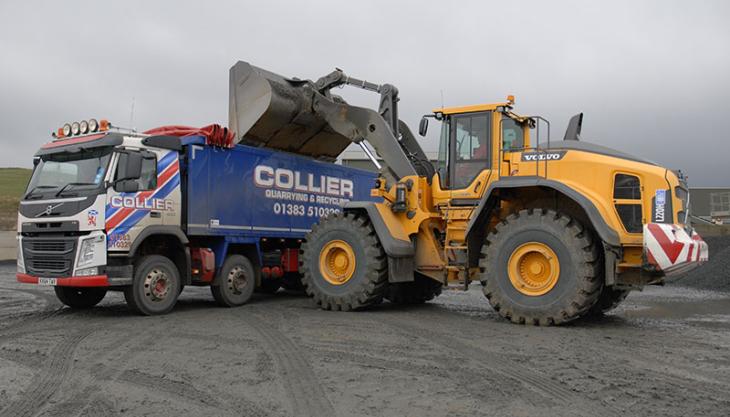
x: 126, y: 186
x: 423, y: 126
x: 130, y: 166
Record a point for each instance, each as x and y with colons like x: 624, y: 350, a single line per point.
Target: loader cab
x: 472, y: 140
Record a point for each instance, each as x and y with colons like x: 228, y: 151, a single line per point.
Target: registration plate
x: 47, y: 281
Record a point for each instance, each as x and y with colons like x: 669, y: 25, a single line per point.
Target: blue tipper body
x: 245, y: 193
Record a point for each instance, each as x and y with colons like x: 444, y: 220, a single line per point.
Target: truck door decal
x: 128, y: 209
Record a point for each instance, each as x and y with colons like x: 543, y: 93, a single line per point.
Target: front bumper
x: 670, y: 249
x: 85, y: 281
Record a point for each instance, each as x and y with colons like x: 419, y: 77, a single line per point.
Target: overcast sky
x: 652, y: 77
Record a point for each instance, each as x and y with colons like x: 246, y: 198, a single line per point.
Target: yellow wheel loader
x: 554, y: 230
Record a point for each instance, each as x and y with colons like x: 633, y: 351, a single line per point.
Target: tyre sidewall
x: 565, y: 285
x: 143, y: 303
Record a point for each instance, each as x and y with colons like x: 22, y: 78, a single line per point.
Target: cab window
x: 148, y: 174
x: 512, y: 135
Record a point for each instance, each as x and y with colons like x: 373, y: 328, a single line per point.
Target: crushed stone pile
x: 713, y: 275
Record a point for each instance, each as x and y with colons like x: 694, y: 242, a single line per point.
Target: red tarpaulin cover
x: 215, y: 135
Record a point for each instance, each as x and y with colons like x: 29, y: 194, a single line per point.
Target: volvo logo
x: 49, y: 210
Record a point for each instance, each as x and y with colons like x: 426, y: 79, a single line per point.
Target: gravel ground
x: 715, y: 274
x: 664, y: 352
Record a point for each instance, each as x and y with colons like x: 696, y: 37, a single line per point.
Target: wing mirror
x: 130, y: 166
x: 126, y: 186
x: 423, y: 126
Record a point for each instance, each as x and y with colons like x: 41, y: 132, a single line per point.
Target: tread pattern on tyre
x: 587, y: 271
x: 370, y: 290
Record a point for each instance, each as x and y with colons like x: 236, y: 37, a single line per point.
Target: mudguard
x: 392, y: 236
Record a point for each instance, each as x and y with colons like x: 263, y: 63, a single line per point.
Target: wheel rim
x: 237, y: 280
x: 337, y: 262
x: 157, y: 285
x: 533, y: 269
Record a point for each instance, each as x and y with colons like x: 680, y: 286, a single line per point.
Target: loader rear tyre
x: 235, y: 283
x: 343, y: 264
x: 540, y: 267
x: 609, y: 299
x: 155, y: 287
x: 80, y: 298
x: 421, y: 290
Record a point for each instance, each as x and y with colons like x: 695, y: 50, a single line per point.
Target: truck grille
x: 49, y: 255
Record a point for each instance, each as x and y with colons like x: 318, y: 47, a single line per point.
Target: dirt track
x: 666, y: 352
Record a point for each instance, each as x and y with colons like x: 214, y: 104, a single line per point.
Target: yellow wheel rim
x: 533, y: 269
x: 337, y: 262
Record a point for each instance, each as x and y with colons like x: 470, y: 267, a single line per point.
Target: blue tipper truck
x: 108, y: 209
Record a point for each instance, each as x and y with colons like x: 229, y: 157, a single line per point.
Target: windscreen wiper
x: 73, y: 183
x: 29, y: 193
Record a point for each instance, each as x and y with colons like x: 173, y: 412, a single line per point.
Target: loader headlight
x: 88, y: 249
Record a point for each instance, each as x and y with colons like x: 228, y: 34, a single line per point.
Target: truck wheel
x: 343, y: 264
x: 609, y: 299
x: 155, y: 287
x: 235, y: 282
x: 540, y: 267
x: 80, y: 298
x: 421, y: 290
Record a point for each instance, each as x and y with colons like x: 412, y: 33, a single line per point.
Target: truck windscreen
x: 66, y: 173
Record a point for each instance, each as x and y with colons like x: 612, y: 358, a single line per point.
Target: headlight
x: 66, y: 129
x: 85, y: 272
x: 86, y: 253
x: 21, y: 262
x: 84, y: 126
x: 93, y: 125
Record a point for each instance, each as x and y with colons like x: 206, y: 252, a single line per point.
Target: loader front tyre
x: 421, y: 290
x: 155, y: 287
x: 343, y: 264
x: 540, y: 267
x: 235, y: 282
x: 609, y: 299
x: 80, y: 298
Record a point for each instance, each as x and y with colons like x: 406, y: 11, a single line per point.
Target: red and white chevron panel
x: 671, y: 249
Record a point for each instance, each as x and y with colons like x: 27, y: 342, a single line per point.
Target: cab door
x: 465, y: 154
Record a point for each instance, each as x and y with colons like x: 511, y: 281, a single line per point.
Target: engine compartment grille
x: 49, y: 255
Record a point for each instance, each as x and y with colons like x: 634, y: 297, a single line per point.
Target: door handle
x: 155, y: 214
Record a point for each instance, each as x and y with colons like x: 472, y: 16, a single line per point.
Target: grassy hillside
x: 12, y: 185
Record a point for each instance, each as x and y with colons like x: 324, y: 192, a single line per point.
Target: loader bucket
x: 266, y: 109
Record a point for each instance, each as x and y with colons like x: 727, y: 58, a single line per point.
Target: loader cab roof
x: 472, y: 108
